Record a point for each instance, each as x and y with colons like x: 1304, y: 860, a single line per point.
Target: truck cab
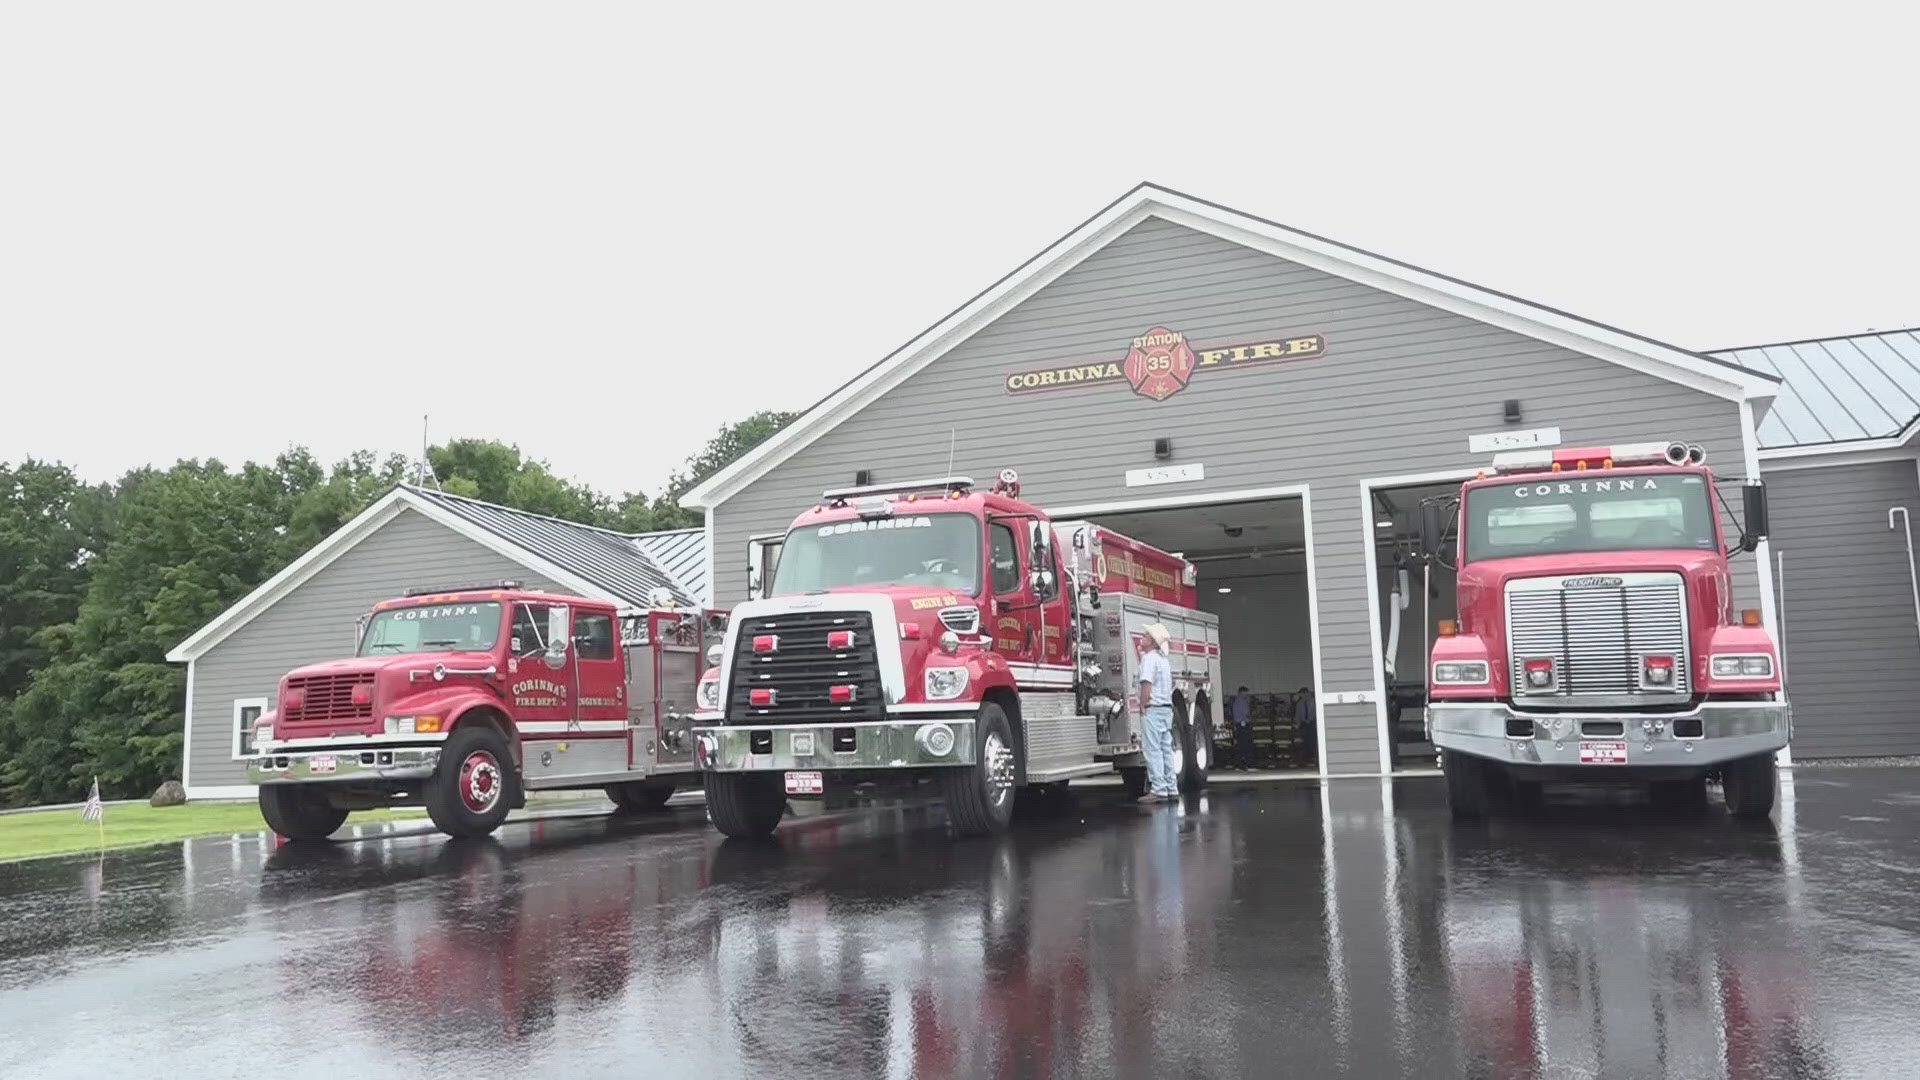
x: 1599, y: 637
x: 464, y: 700
x: 928, y: 631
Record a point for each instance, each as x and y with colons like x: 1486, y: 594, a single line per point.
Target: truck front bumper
x: 346, y: 765
x: 1727, y: 731
x: 908, y: 742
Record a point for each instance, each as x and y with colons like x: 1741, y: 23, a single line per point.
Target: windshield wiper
x: 394, y: 645
x: 449, y: 641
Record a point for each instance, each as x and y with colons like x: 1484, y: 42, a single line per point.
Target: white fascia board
x: 1664, y: 362
x: 316, y: 559
x: 1864, y: 452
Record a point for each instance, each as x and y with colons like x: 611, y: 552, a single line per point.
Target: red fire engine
x: 465, y: 700
x: 1598, y: 638
x: 928, y: 630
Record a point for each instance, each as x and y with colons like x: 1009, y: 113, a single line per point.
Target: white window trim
x: 233, y: 726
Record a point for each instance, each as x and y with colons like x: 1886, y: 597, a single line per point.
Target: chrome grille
x: 803, y: 669
x: 1598, y: 634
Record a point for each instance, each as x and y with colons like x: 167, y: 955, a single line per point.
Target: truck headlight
x: 1460, y: 671
x: 1757, y: 666
x: 945, y: 683
x: 399, y: 725
x: 707, y: 695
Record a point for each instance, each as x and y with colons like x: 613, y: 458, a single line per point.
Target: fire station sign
x: 1160, y: 363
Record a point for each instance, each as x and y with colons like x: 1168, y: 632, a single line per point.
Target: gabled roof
x: 588, y: 561
x: 1859, y: 388
x: 1710, y: 375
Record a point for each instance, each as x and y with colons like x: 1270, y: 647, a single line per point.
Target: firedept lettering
x: 922, y: 603
x: 1584, y: 487
x: 539, y: 693
x: 605, y: 701
x: 882, y: 523
x: 1160, y: 362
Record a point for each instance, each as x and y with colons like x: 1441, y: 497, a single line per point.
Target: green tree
x: 726, y: 446
x: 44, y: 545
x: 498, y: 473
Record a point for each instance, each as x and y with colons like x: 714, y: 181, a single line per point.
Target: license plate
x: 805, y: 783
x: 322, y: 763
x: 1603, y: 753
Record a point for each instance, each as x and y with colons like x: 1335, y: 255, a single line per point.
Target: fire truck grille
x: 1598, y: 635
x: 330, y: 697
x: 802, y: 671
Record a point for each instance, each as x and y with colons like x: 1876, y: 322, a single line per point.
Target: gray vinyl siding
x: 316, y: 621
x: 1398, y: 391
x: 1853, y: 652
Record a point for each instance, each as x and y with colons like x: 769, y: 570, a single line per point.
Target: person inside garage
x: 1240, y: 713
x: 1156, y: 706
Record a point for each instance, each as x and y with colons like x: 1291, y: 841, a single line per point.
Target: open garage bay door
x: 1250, y: 558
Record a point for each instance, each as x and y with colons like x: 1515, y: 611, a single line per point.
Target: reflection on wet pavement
x: 1254, y: 931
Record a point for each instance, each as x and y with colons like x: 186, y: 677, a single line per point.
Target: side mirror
x: 1042, y: 582
x: 1754, y: 509
x: 1433, y: 528
x: 559, y: 630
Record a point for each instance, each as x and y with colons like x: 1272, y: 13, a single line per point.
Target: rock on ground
x: 169, y: 794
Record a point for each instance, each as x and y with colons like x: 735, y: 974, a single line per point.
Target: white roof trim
x: 345, y: 539
x: 1662, y: 361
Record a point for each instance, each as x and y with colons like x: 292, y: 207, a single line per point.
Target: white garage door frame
x: 1370, y: 547
x: 1221, y: 498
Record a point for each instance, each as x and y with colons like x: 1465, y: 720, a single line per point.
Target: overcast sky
x: 603, y: 231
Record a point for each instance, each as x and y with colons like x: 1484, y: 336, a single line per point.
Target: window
x: 1006, y: 559
x: 529, y: 629
x: 1569, y: 514
x: 593, y: 636
x: 936, y: 551
x: 432, y: 628
x: 245, y: 712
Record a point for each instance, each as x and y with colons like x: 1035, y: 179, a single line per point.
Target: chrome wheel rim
x: 480, y: 782
x: 998, y: 759
x: 1202, y: 752
x: 1179, y: 758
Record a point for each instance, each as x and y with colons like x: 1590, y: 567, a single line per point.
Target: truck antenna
x: 425, y: 473
x: 951, y: 432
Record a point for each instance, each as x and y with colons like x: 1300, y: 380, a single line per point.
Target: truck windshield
x: 940, y: 551
x: 432, y: 628
x: 1560, y: 516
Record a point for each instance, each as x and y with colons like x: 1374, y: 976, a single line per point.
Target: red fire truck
x: 465, y: 700
x: 931, y: 631
x: 1598, y: 638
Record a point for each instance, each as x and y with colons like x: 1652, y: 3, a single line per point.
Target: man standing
x: 1240, y: 712
x: 1156, y: 710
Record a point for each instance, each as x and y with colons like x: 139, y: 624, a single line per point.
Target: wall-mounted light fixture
x: 1510, y: 410
x: 1163, y: 448
x: 863, y: 477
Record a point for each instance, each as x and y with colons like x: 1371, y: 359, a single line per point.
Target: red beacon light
x: 1580, y: 458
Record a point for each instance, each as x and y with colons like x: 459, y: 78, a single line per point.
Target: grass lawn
x: 56, y: 832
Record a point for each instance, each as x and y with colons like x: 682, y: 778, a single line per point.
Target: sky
x: 603, y: 231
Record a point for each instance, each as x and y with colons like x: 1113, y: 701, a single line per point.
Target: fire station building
x: 1318, y: 394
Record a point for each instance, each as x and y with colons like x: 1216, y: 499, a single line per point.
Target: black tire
x: 1467, y: 782
x: 640, y: 796
x: 980, y: 796
x: 475, y: 783
x: 1680, y: 794
x: 1133, y: 781
x: 1749, y: 786
x: 298, y: 812
x: 1196, y: 735
x: 745, y: 805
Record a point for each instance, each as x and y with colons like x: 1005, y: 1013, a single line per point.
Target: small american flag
x: 93, y: 810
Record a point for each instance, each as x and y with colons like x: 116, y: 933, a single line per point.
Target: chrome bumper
x: 877, y: 744
x: 1730, y: 730
x: 379, y: 763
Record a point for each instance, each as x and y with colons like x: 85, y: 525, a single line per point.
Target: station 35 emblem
x: 1159, y: 364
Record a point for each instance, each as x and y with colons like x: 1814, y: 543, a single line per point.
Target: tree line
x: 98, y: 581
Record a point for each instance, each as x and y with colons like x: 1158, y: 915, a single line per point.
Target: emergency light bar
x: 944, y: 483
x: 1598, y: 457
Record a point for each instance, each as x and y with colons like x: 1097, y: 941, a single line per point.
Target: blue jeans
x: 1157, y: 743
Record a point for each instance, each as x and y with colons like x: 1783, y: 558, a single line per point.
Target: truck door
x: 1012, y: 613
x: 600, y: 694
x: 539, y: 677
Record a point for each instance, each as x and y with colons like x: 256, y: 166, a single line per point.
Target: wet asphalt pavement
x: 1255, y: 931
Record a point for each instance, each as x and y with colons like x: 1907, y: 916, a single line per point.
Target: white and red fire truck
x: 1598, y: 637
x: 932, y: 631
x: 465, y: 700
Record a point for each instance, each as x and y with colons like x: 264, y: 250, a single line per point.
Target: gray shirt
x: 1155, y: 670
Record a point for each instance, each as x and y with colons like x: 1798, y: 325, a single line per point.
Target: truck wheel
x: 1133, y: 781
x: 1749, y: 785
x: 639, y: 796
x: 474, y: 786
x: 1467, y: 783
x: 746, y: 805
x: 298, y: 812
x: 980, y: 796
x: 1197, y: 752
